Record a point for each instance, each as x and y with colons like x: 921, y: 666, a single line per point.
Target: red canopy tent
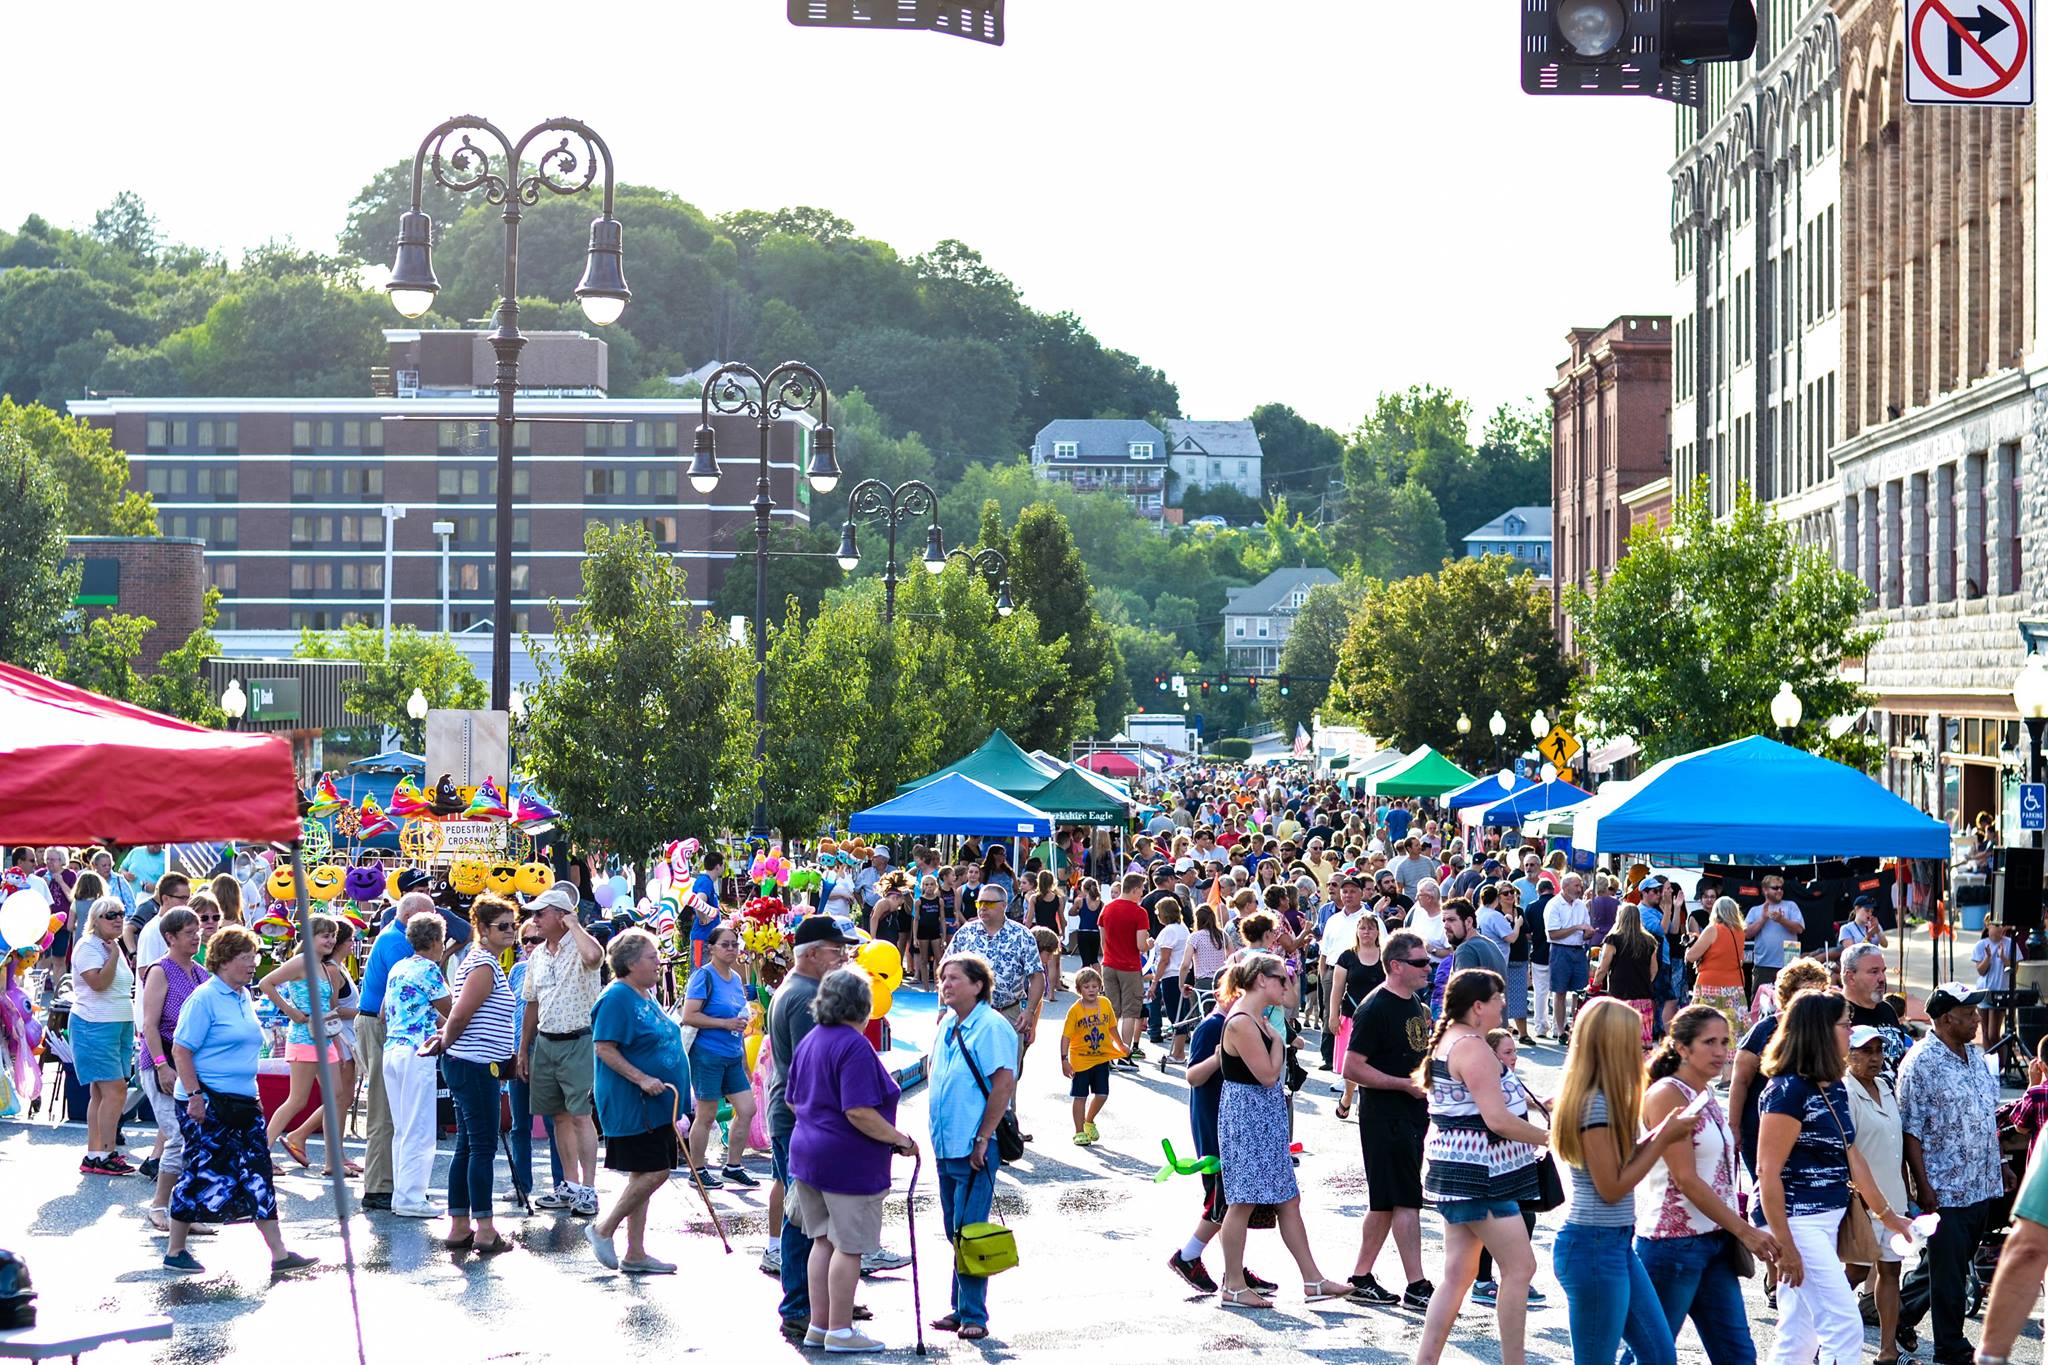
x: 1111, y: 764
x: 78, y: 768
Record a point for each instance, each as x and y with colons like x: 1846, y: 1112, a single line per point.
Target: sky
x: 1303, y: 201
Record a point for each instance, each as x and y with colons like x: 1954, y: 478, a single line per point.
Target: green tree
x: 1698, y: 626
x: 1309, y: 659
x: 820, y: 668
x: 638, y: 727
x: 1473, y: 638
x: 1301, y: 457
x: 36, y: 586
x: 1390, y: 531
x: 416, y: 659
x: 92, y: 474
x: 101, y: 656
x: 801, y: 569
x: 371, y: 233
x: 1048, y: 575
x: 127, y: 225
x: 180, y: 686
x: 295, y: 336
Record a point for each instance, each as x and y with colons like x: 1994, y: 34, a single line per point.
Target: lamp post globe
x: 416, y: 705
x: 1496, y: 725
x: 1464, y: 724
x: 1539, y: 725
x: 234, y: 702
x: 1786, y: 710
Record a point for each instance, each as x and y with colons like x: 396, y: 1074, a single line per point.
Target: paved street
x: 1093, y: 1229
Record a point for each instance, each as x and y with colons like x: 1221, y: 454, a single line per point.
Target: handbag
x: 1549, y: 1181
x: 984, y: 1249
x: 1855, y: 1240
x: 1009, y: 1137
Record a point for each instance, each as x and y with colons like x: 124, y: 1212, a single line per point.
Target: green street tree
x: 416, y: 659
x: 92, y: 474
x: 638, y: 728
x: 1473, y: 637
x: 1698, y: 626
x: 36, y: 586
x: 100, y: 657
x: 820, y: 669
x: 1309, y: 659
x: 179, y: 686
x: 1048, y: 575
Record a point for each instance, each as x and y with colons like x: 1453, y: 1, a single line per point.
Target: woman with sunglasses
x: 103, y: 1031
x: 715, y: 1004
x: 166, y: 983
x: 287, y: 989
x: 477, y: 1046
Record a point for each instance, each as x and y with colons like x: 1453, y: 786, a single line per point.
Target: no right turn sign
x: 1970, y: 51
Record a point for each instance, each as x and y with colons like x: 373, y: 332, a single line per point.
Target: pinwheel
x: 326, y: 800
x: 487, y: 804
x: 372, y: 821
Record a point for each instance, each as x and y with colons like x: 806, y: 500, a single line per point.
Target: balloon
x: 753, y: 1051
x: 604, y: 893
x: 621, y: 885
x: 24, y: 919
x: 56, y: 922
x: 884, y: 997
x: 880, y: 960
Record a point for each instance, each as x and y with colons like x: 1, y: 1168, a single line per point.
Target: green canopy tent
x: 1073, y: 799
x: 1362, y: 768
x: 1424, y: 773
x: 998, y: 763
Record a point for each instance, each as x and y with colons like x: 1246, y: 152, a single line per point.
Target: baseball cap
x: 819, y: 929
x: 561, y: 896
x: 1492, y: 865
x: 881, y: 851
x: 1184, y: 864
x: 1864, y: 1033
x: 1864, y: 901
x: 1652, y: 883
x: 1947, y: 997
x: 412, y: 879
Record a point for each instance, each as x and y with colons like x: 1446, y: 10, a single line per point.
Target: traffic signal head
x: 1631, y: 47
x: 1252, y: 683
x: 1223, y: 684
x: 1205, y: 687
x: 1286, y: 686
x: 1159, y: 680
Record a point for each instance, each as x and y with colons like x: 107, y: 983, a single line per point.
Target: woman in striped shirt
x: 477, y: 1046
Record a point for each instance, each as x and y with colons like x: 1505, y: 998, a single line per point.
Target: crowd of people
x: 1730, y: 1105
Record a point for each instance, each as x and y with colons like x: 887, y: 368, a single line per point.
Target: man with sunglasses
x: 1389, y: 1035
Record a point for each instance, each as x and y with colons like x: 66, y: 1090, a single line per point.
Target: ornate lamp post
x: 993, y: 565
x: 495, y: 169
x: 234, y: 703
x: 880, y: 505
x: 2030, y: 696
x: 735, y: 389
x: 1786, y: 709
x: 1497, y: 726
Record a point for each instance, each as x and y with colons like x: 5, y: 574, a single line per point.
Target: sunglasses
x: 111, y: 914
x: 502, y: 928
x: 533, y: 942
x: 209, y: 919
x: 1416, y: 962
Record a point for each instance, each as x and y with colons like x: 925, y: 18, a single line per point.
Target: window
x: 191, y: 436
x: 337, y: 435
x: 1139, y: 450
x: 222, y: 575
x: 1263, y: 627
x: 1244, y: 469
x: 479, y: 481
x: 657, y: 434
x: 1237, y: 626
x: 1066, y: 450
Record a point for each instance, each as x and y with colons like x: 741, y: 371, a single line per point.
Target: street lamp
x: 993, y: 565
x: 234, y: 703
x: 890, y: 508
x: 1497, y: 726
x: 416, y: 707
x: 2030, y: 695
x: 1539, y: 725
x: 741, y: 389
x: 496, y: 170
x: 1464, y: 724
x: 444, y: 529
x: 1786, y: 710
x: 393, y: 514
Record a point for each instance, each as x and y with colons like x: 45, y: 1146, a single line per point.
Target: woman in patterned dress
x: 1482, y: 1157
x: 1253, y: 1137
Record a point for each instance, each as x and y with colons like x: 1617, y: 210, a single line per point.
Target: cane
x: 910, y: 1216
x: 676, y: 1117
x: 511, y: 1166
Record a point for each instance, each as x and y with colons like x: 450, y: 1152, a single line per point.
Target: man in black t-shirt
x: 1863, y: 976
x: 1389, y: 1038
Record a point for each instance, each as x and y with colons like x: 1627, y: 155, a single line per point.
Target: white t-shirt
x: 1340, y: 935
x: 111, y: 1005
x: 1167, y: 946
x: 1562, y: 914
x: 1430, y: 927
x: 1999, y: 978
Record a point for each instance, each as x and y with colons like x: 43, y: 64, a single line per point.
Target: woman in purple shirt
x: 844, y: 1101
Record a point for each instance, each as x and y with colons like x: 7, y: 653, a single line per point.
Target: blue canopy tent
x: 1486, y: 791
x: 1759, y: 800
x: 953, y: 804
x: 1534, y: 799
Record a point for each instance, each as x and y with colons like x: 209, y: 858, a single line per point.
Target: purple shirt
x: 833, y: 1070
x: 1602, y: 910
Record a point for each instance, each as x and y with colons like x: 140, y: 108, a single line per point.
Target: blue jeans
x: 475, y: 1092
x: 1694, y: 1279
x: 965, y: 1195
x: 1609, y: 1296
x: 521, y: 1138
x: 796, y: 1248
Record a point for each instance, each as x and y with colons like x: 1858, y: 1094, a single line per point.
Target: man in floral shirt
x: 1948, y: 1106
x: 1012, y: 951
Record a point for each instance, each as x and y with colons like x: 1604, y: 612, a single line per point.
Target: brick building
x: 286, y: 494
x: 161, y: 577
x: 1610, y: 413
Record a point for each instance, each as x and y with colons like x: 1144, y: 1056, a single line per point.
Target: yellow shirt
x: 1090, y: 1034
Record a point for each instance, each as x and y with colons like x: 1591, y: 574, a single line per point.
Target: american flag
x: 1301, y: 741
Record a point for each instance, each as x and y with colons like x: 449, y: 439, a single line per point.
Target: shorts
x: 1392, y: 1140
x: 1125, y: 992
x: 102, y: 1051
x: 1214, y: 1205
x: 1568, y: 969
x: 894, y: 925
x: 654, y: 1150
x: 928, y: 928
x: 1478, y: 1210
x: 306, y: 1052
x: 852, y: 1223
x: 1092, y: 1080
x: 713, y: 1077
x: 562, y: 1072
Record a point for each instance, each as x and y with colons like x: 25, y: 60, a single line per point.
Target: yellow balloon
x: 880, y: 960
x: 884, y: 997
x: 753, y: 1052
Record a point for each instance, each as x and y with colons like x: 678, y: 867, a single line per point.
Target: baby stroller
x: 1197, y: 998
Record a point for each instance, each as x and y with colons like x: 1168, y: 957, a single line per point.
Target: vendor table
x: 75, y: 1336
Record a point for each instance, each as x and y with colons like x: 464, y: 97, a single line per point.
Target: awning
x: 1607, y: 755
x: 998, y: 763
x: 79, y: 768
x: 1486, y: 791
x: 953, y: 804
x: 1534, y: 799
x: 1425, y: 773
x: 1756, y: 799
x: 1110, y: 762
x: 1073, y: 798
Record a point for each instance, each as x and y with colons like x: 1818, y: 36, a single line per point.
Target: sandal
x: 972, y: 1331
x: 1242, y: 1298
x: 1343, y: 1110
x: 296, y: 1151
x: 492, y: 1248
x: 949, y: 1323
x: 1321, y: 1290
x: 462, y: 1243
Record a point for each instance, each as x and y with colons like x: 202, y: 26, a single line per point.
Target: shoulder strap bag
x: 1009, y: 1137
x: 1856, y: 1241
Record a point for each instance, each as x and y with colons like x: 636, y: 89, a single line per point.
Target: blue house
x: 1521, y: 533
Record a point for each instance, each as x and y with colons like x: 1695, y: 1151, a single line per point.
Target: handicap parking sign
x: 2033, y: 805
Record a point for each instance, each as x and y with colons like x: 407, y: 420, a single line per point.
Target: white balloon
x: 24, y: 919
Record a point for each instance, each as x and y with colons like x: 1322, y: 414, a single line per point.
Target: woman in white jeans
x: 415, y: 1004
x: 1806, y: 1159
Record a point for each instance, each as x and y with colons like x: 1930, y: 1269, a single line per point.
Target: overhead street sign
x: 1970, y: 52
x: 1558, y: 745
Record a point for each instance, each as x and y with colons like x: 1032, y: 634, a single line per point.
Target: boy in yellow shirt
x: 1088, y: 1044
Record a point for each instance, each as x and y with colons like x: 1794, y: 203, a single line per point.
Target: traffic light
x: 1223, y: 684
x: 1286, y: 686
x: 981, y: 20
x: 1253, y: 683
x: 1205, y: 687
x: 1159, y: 680
x: 1631, y: 47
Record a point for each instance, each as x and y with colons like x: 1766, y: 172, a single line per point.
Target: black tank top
x: 1236, y: 1068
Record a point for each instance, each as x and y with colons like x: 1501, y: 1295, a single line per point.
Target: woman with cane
x: 638, y: 1089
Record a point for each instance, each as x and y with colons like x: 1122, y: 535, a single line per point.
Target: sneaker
x: 1417, y: 1296
x: 708, y: 1178
x: 771, y: 1260
x: 1366, y: 1289
x: 380, y: 1201
x: 149, y: 1167
x: 183, y: 1263
x: 796, y: 1329
x: 415, y: 1211
x: 814, y: 1337
x: 884, y: 1259
x: 1486, y: 1292
x: 1536, y: 1298
x: 606, y: 1256
x: 1094, y: 1133
x: 562, y: 1196
x: 740, y: 1176
x: 291, y: 1261
x: 647, y: 1265
x: 846, y: 1340
x: 116, y: 1165
x: 585, y: 1205
x: 1259, y: 1282
x: 1194, y: 1273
